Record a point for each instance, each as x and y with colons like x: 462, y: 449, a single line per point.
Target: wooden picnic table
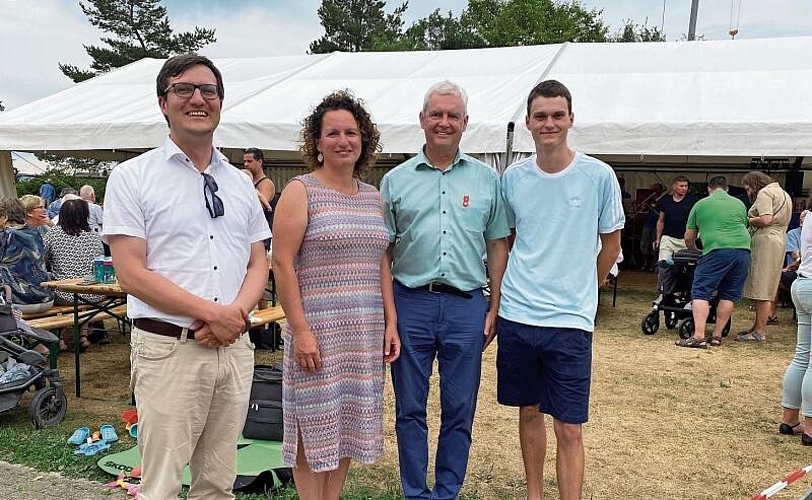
x: 114, y: 297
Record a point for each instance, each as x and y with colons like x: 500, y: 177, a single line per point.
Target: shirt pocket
x: 473, y: 214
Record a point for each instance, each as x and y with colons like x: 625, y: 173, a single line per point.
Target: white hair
x: 446, y: 88
x: 86, y: 192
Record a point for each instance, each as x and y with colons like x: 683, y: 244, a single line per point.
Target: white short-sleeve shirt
x: 158, y: 197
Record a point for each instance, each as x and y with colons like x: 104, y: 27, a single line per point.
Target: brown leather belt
x: 161, y: 328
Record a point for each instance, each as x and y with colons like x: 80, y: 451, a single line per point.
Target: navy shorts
x: 723, y: 270
x: 548, y: 367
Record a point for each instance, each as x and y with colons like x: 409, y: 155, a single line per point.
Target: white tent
x: 674, y: 102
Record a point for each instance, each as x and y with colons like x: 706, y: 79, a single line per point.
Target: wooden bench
x: 65, y: 320
x: 56, y: 311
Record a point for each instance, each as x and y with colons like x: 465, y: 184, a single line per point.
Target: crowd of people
x: 369, y: 278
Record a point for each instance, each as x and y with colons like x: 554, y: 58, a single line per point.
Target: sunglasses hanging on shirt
x: 214, y: 204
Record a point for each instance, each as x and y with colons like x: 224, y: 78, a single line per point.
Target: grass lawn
x: 665, y: 422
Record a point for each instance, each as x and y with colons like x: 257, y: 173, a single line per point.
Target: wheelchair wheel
x: 686, y: 328
x: 650, y: 323
x: 48, y: 407
x: 670, y: 320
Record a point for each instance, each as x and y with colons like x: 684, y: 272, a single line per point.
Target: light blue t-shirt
x: 793, y: 245
x: 551, y: 278
x: 439, y: 220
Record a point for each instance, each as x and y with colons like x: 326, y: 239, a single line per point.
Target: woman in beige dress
x: 768, y: 219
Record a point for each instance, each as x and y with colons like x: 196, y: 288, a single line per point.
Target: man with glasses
x: 186, y: 237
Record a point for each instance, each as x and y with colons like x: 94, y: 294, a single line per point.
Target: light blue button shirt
x: 439, y: 220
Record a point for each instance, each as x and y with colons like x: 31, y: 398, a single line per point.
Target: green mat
x: 255, y: 458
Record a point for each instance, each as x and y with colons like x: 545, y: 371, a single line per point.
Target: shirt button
x: 215, y: 268
x: 443, y: 253
x: 443, y: 192
x: 211, y: 236
x: 443, y: 212
x: 442, y: 274
x: 443, y: 231
x: 215, y: 299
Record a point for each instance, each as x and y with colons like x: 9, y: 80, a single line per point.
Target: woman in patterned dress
x: 70, y: 248
x: 335, y: 285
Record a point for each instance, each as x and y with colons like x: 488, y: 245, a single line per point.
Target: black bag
x: 7, y: 321
x: 264, y: 419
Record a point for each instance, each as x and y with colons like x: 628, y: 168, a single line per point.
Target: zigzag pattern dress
x: 338, y: 409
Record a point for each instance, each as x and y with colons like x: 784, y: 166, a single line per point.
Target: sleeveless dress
x: 338, y: 409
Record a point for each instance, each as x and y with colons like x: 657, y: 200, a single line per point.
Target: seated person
x: 22, y: 263
x: 70, y: 248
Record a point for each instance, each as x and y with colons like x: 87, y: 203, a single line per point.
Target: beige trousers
x: 669, y: 246
x: 192, y: 402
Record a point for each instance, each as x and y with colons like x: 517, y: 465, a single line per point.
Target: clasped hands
x: 224, y: 328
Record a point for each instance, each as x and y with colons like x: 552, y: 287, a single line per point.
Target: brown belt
x: 161, y: 328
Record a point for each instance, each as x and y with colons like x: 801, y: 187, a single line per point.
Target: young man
x: 252, y: 161
x: 550, y: 290
x: 722, y: 221
x: 444, y: 210
x: 186, y: 235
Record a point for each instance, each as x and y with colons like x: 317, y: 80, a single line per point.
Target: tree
x: 2, y: 108
x: 140, y: 29
x: 439, y: 32
x: 636, y: 33
x: 504, y: 23
x: 359, y: 26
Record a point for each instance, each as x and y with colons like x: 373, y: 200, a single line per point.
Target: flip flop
x: 91, y: 449
x: 79, y: 436
x: 108, y: 433
x: 750, y: 337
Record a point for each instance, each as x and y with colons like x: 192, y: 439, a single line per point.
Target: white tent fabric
x: 724, y: 98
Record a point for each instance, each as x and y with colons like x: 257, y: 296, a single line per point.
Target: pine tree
x: 359, y: 26
x: 139, y: 29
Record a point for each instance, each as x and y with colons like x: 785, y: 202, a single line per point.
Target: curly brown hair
x: 756, y: 181
x: 311, y: 131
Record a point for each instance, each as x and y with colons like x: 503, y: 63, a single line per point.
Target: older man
x: 186, y: 235
x: 96, y: 215
x: 444, y: 210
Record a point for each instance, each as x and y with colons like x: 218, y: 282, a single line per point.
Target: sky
x: 35, y: 35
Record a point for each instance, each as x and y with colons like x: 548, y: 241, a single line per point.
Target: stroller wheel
x: 686, y: 328
x: 48, y: 407
x: 670, y: 320
x: 650, y: 323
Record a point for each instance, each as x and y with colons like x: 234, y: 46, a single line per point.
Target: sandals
x: 772, y: 320
x: 752, y: 336
x: 791, y: 429
x: 692, y: 342
x: 716, y: 342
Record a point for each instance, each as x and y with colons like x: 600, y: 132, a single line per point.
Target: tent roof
x: 725, y: 98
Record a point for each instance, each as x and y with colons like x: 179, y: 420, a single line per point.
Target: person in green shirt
x: 721, y: 221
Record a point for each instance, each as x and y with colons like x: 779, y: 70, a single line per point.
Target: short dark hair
x: 12, y: 209
x: 258, y: 154
x: 175, y: 66
x: 311, y: 130
x: 73, y: 217
x: 550, y: 88
x: 680, y: 178
x: 717, y: 182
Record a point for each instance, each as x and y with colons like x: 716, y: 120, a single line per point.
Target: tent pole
x: 692, y: 22
x: 8, y: 187
x: 508, y: 147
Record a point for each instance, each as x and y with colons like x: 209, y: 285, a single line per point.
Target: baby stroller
x: 675, y: 300
x: 24, y: 369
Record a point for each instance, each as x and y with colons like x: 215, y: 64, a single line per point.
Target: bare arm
x: 391, y: 345
x: 290, y: 226
x: 690, y: 239
x: 659, y: 233
x: 266, y: 190
x: 610, y: 249
x: 497, y: 251
x: 130, y: 255
x: 761, y: 220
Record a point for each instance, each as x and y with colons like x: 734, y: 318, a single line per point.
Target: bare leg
x: 569, y: 463
x: 334, y: 482
x: 807, y: 426
x: 723, y: 312
x: 700, y: 310
x: 762, y: 313
x: 309, y: 484
x: 791, y: 416
x: 774, y: 306
x: 533, y: 438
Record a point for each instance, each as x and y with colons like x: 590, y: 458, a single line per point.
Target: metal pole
x: 692, y: 22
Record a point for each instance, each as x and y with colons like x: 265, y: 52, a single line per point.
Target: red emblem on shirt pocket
x: 465, y: 200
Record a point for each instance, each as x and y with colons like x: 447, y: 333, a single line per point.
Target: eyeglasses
x: 186, y: 90
x: 213, y: 202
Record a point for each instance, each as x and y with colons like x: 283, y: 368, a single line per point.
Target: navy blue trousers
x: 449, y: 328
